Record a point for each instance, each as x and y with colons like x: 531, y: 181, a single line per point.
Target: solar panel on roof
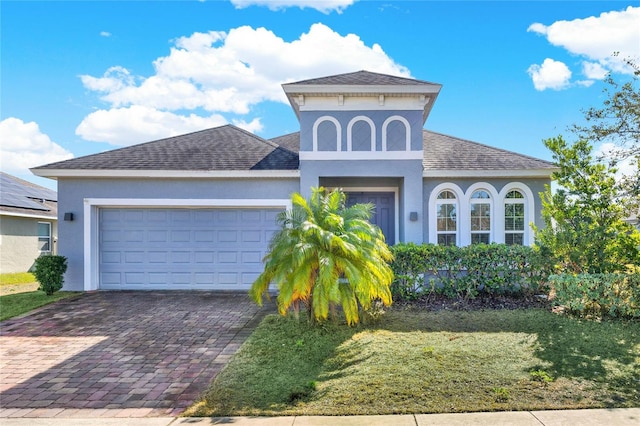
x: 12, y: 186
x: 14, y: 200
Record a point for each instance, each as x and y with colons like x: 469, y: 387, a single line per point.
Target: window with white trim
x: 396, y: 136
x: 514, y: 218
x: 327, y: 136
x: 480, y: 207
x: 44, y: 237
x: 361, y: 136
x: 447, y: 218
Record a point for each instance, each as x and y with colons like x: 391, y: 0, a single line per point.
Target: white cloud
x: 594, y: 70
x: 135, y: 124
x: 324, y: 6
x: 627, y: 167
x: 550, y: 75
x: 596, y: 38
x: 218, y: 73
x: 105, y: 34
x: 253, y: 126
x: 25, y: 146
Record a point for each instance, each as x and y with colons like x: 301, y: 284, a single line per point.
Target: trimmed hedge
x: 600, y: 295
x: 464, y: 272
x: 49, y: 271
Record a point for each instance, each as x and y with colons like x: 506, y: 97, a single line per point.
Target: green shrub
x: 49, y: 271
x: 465, y: 272
x: 600, y: 295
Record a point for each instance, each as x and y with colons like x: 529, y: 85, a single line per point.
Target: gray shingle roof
x: 362, y: 78
x: 229, y: 148
x: 221, y: 148
x: 290, y: 141
x: 21, y: 197
x: 442, y: 152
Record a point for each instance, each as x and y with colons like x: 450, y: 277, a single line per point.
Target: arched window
x: 447, y: 218
x: 396, y: 134
x: 480, y: 213
x: 360, y: 134
x: 327, y: 134
x: 514, y: 220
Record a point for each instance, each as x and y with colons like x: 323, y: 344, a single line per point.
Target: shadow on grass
x: 574, y: 347
x: 289, y: 367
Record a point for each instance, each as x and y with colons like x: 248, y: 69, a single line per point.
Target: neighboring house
x: 197, y: 211
x: 28, y: 223
x: 634, y: 219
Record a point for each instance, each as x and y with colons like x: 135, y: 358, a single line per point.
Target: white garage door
x: 171, y: 249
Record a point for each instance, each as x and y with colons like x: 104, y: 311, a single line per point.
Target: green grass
x: 17, y: 278
x: 13, y: 305
x: 430, y: 362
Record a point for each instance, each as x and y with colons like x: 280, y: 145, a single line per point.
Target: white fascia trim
x: 361, y: 155
x: 359, y: 106
x: 522, y: 173
x: 188, y: 202
x: 360, y: 89
x: 178, y: 174
x: 91, y: 226
x: 28, y: 216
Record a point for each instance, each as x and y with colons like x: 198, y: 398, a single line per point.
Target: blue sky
x: 82, y: 77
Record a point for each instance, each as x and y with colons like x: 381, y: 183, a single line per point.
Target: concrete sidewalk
x: 599, y: 417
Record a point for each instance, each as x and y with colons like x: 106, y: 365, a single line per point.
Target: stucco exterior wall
x: 308, y: 118
x: 407, y: 174
x: 19, y: 242
x: 535, y: 185
x: 73, y: 192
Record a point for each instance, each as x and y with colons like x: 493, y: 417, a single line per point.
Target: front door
x: 383, y: 213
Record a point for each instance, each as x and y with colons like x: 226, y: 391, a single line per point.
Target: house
x: 197, y: 211
x: 28, y: 223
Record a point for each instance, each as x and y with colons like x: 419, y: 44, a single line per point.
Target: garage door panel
x: 251, y: 236
x: 180, y: 257
x: 228, y: 257
x: 249, y: 257
x: 158, y: 257
x: 183, y: 248
x: 205, y: 257
x: 134, y: 257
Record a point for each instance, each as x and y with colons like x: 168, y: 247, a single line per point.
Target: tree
x: 585, y: 231
x: 326, y: 254
x: 617, y: 122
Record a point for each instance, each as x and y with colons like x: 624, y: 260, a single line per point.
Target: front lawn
x: 17, y: 278
x: 430, y: 362
x: 12, y: 305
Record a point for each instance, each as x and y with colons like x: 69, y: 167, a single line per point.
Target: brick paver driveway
x: 120, y: 353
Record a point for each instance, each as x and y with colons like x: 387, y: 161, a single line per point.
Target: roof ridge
x: 259, y: 138
x: 143, y: 144
x: 489, y: 146
x: 356, y: 73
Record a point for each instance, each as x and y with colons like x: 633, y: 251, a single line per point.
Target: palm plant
x: 326, y: 254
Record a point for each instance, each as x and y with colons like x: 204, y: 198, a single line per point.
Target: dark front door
x: 384, y: 212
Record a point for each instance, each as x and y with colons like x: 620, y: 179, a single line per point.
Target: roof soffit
x: 407, y: 88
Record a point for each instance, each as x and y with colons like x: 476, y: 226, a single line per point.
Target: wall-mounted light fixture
x: 413, y: 216
x: 68, y: 216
